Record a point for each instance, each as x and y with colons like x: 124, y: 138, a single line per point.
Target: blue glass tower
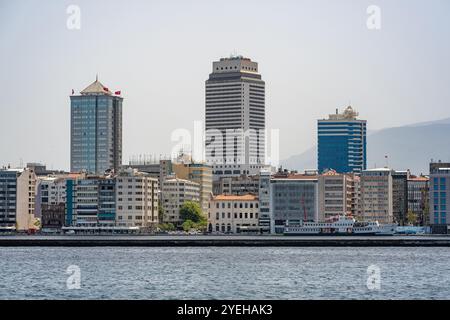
x: 96, y: 130
x: 342, y: 142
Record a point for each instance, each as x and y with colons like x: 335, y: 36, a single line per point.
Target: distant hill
x: 408, y: 147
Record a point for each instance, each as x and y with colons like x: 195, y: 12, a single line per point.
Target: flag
x: 117, y: 93
x: 105, y: 88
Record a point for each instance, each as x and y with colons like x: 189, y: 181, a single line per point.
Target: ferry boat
x: 340, y: 226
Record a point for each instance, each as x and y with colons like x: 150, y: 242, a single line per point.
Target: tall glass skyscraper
x: 96, y: 130
x: 342, y: 142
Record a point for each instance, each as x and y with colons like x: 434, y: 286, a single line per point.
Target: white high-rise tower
x: 235, y: 118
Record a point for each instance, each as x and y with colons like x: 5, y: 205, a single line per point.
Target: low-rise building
x: 418, y: 198
x: 53, y: 217
x: 17, y: 199
x: 90, y: 201
x: 376, y: 195
x: 336, y: 194
x: 238, y: 185
x: 234, y: 214
x: 293, y: 198
x: 400, y: 196
x: 199, y: 173
x: 264, y: 201
x: 174, y: 193
x: 439, y: 197
x: 136, y: 200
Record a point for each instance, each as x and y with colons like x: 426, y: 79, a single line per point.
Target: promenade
x: 223, y: 241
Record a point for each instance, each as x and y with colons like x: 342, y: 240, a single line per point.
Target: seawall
x: 229, y: 241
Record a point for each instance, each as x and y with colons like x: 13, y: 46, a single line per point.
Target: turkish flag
x: 117, y: 93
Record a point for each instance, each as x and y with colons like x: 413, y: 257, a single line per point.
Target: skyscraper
x: 235, y: 117
x: 96, y: 130
x: 342, y: 142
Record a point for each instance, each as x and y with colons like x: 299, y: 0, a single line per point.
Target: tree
x: 160, y: 213
x: 411, y: 217
x: 188, y: 225
x: 191, y: 210
x: 166, y: 226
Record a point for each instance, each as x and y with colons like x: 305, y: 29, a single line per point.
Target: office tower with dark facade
x: 96, y: 130
x: 235, y: 118
x: 342, y: 143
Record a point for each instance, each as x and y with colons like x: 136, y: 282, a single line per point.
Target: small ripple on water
x: 224, y: 273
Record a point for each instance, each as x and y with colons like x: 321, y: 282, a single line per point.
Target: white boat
x: 341, y: 226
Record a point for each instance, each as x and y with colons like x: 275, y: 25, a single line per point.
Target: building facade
x: 439, y: 197
x: 236, y: 185
x: 199, y: 173
x: 53, y: 217
x: 293, y: 198
x: 376, y: 187
x: 336, y: 195
x: 17, y: 199
x: 174, y: 193
x: 234, y: 214
x: 90, y: 201
x: 95, y: 130
x: 50, y: 190
x: 342, y: 142
x: 418, y: 199
x: 400, y: 196
x: 136, y: 200
x: 264, y: 201
x: 235, y: 117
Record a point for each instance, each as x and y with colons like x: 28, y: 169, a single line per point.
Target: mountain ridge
x: 407, y: 147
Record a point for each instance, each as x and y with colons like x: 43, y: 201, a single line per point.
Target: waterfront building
x: 336, y: 195
x: 376, y: 187
x: 293, y: 198
x: 234, y: 214
x: 356, y: 205
x: 17, y: 199
x: 199, y: 173
x: 342, y: 142
x: 136, y: 199
x: 264, y: 201
x: 439, y: 205
x: 53, y: 217
x: 90, y: 201
x: 400, y: 196
x: 50, y: 190
x: 238, y: 185
x: 174, y: 193
x: 235, y: 118
x: 418, y: 198
x: 95, y: 130
x: 156, y: 169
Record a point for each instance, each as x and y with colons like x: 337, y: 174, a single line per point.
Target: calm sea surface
x: 224, y: 273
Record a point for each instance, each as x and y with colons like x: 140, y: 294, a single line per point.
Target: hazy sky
x: 314, y: 55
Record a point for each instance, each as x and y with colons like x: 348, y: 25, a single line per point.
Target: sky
x: 315, y: 56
